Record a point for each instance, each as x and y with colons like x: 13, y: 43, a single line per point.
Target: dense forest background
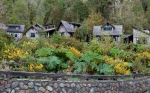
x: 88, y: 12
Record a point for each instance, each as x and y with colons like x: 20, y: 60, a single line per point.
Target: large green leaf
x: 70, y: 55
x: 51, y: 62
x: 130, y: 64
x: 115, y: 51
x: 90, y: 56
x: 79, y: 66
x: 105, y: 69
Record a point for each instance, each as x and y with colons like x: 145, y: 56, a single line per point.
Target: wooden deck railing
x: 12, y: 74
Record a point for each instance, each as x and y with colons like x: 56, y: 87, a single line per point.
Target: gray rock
x: 39, y: 92
x: 21, y: 84
x: 51, y: 84
x: 13, y: 91
x: 94, y: 85
x: 49, y: 88
x: 64, y: 91
x: 2, y: 88
x: 107, y: 85
x: 17, y: 88
x: 67, y: 85
x: 81, y: 85
x: 54, y: 91
x: 42, y: 89
x: 84, y: 85
x: 73, y: 85
x: 45, y: 84
x: 70, y: 91
x: 92, y: 90
x: 47, y: 92
x: 30, y: 84
x: 25, y: 87
x: 83, y: 89
x: 89, y: 85
x: 36, y: 88
x: 122, y: 84
x: 8, y: 90
x: 15, y: 84
x: 4, y: 92
x: 78, y: 87
x: 55, y: 85
x: 148, y: 81
x: 62, y: 85
x: 100, y: 85
x: 38, y: 84
x: 8, y: 86
x: 131, y: 83
x: 22, y: 91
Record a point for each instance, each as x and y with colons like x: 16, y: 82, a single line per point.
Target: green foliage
x: 82, y: 32
x: 93, y: 19
x: 56, y: 38
x: 139, y: 67
x: 90, y: 56
x: 44, y: 52
x: 115, y: 51
x: 4, y: 40
x: 71, y: 42
x: 79, y: 67
x: 80, y: 10
x: 51, y: 63
x: 105, y: 69
x: 95, y: 47
x: 70, y: 55
x: 88, y: 63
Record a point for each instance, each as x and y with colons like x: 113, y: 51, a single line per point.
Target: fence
x: 11, y: 74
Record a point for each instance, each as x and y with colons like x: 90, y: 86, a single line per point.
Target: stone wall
x: 61, y: 86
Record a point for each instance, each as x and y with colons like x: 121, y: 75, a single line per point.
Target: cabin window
x: 15, y: 35
x: 32, y: 34
x: 107, y: 28
x: 14, y: 27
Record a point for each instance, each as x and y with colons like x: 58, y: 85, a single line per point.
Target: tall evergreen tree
x: 81, y: 10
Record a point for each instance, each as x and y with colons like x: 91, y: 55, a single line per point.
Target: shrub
x: 5, y: 39
x: 71, y: 42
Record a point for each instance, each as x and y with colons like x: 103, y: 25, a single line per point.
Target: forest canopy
x: 123, y: 12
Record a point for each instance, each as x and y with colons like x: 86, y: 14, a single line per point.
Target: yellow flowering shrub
x: 29, y: 46
x: 47, y: 44
x: 121, y: 67
x: 35, y: 67
x: 145, y: 55
x: 75, y: 51
x: 13, y: 52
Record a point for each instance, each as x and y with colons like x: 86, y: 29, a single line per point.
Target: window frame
x: 32, y: 35
x: 107, y: 28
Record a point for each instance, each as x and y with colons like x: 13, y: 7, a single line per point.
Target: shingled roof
x: 142, y: 30
x: 37, y: 27
x: 97, y: 30
x: 68, y: 25
x: 12, y: 28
